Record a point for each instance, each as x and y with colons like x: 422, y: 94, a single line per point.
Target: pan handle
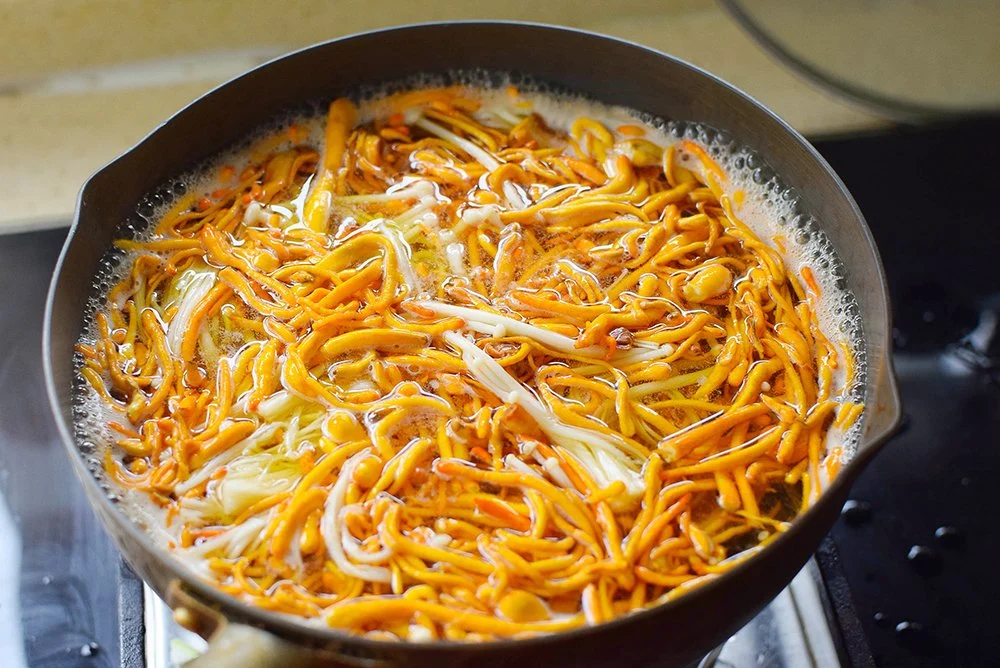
x: 239, y: 645
x: 235, y: 645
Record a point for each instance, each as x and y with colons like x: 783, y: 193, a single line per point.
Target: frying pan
x: 603, y: 68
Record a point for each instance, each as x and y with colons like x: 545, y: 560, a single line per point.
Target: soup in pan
x: 464, y: 363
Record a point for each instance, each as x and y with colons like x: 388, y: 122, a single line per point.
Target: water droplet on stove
x: 856, y: 512
x: 910, y: 633
x: 924, y: 559
x: 881, y: 619
x: 949, y: 536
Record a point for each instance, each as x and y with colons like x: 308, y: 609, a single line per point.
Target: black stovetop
x: 928, y: 195
x: 930, y: 200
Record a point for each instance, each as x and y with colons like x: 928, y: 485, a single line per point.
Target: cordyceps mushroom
x: 466, y: 371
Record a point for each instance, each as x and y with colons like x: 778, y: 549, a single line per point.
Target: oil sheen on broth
x: 465, y: 363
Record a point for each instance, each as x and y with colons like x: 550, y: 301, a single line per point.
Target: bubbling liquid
x: 759, y: 198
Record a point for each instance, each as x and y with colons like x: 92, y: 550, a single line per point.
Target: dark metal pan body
x: 600, y: 67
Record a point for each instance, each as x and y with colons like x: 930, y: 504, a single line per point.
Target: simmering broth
x: 463, y: 363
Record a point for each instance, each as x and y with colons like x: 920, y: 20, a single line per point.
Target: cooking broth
x: 489, y: 349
